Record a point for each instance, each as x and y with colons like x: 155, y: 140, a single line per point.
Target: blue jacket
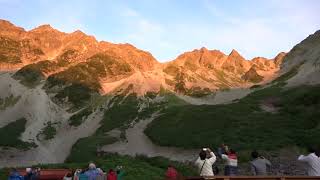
x: 92, y: 174
x: 15, y: 176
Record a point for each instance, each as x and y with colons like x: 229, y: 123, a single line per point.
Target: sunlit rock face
x: 49, y: 53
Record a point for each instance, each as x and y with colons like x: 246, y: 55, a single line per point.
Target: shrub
x: 11, y: 133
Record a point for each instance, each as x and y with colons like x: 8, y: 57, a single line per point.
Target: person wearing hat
x: 92, y: 172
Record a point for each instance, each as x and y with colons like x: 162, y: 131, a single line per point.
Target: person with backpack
x: 205, y: 161
x: 231, y: 163
x: 313, y: 162
x: 15, y: 175
x: 259, y: 164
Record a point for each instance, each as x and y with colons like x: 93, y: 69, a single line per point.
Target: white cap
x: 28, y: 170
x: 92, y: 166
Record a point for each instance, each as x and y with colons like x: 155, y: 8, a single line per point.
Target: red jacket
x: 112, y: 175
x: 171, y: 173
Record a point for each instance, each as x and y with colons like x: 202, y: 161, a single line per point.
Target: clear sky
x: 166, y: 28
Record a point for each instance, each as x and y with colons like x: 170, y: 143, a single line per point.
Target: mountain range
x: 51, y: 54
x: 65, y: 96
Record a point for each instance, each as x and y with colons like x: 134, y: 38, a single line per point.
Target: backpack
x: 215, y: 170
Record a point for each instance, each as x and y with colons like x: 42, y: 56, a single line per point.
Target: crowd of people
x: 31, y: 174
x: 90, y: 173
x: 259, y: 165
x: 206, y: 164
x: 94, y: 173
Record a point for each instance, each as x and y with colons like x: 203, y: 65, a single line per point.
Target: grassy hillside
x: 244, y: 124
x: 10, y: 134
x: 121, y: 112
x: 31, y: 75
x: 89, y: 73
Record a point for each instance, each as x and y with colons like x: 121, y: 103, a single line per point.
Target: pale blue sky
x: 166, y: 28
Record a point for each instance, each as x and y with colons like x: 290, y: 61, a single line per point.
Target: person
x: 101, y: 175
x: 112, y: 175
x: 92, y: 172
x: 259, y: 164
x: 205, y: 161
x: 28, y: 175
x: 222, y: 149
x: 172, y: 173
x: 15, y: 175
x: 82, y: 175
x: 120, y: 172
x: 313, y: 161
x: 36, y: 174
x: 68, y: 176
x: 231, y: 165
x: 76, y: 174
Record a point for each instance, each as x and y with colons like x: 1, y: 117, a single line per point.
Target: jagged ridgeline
x: 66, y: 96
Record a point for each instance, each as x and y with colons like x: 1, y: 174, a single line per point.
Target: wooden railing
x: 49, y: 174
x: 256, y: 178
x: 58, y: 174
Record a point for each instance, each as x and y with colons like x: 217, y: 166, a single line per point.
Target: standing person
x: 205, y: 162
x: 231, y: 165
x: 92, y: 172
x: 120, y: 172
x: 76, y: 174
x: 172, y: 173
x: 259, y: 164
x: 28, y: 175
x: 222, y: 149
x: 82, y: 175
x: 313, y: 161
x: 112, y: 175
x: 36, y: 174
x: 15, y: 175
x: 101, y: 175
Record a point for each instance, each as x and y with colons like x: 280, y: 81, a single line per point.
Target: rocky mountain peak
x: 4, y: 24
x: 203, y: 49
x: 78, y: 33
x: 235, y: 56
x: 9, y: 29
x: 234, y: 53
x: 279, y: 58
x: 43, y: 28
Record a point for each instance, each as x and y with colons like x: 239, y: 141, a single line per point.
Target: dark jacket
x: 15, y: 176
